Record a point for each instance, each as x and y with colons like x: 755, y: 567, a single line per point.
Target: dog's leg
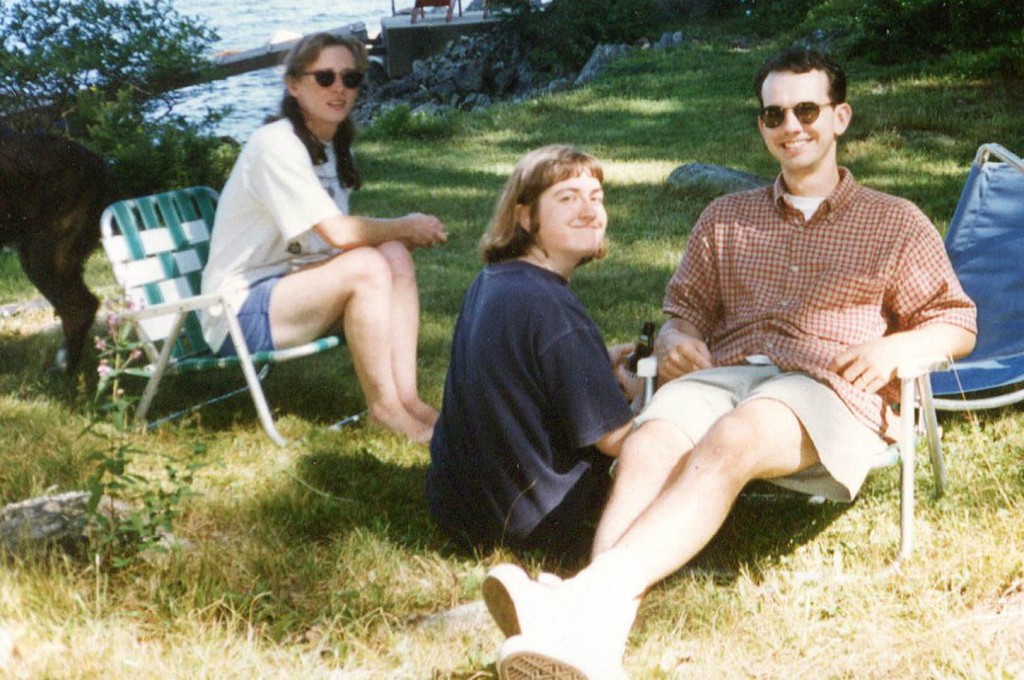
x: 57, y: 272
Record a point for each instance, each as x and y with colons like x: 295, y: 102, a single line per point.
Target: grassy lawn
x: 320, y: 561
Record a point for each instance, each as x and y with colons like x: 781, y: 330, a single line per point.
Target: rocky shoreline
x: 475, y: 71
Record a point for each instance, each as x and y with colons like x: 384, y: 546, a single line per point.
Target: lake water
x: 245, y: 25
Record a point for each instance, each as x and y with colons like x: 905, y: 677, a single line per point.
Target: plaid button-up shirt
x: 757, y: 279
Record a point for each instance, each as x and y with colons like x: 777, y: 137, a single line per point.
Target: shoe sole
x: 528, y: 664
x: 499, y: 599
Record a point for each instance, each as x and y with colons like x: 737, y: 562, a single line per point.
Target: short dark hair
x: 804, y: 60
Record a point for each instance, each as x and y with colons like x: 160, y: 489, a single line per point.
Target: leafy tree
x: 106, y: 72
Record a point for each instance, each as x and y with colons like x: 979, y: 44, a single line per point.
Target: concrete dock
x: 400, y: 43
x: 272, y: 54
x: 404, y: 42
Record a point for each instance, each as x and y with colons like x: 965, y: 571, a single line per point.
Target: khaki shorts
x: 846, y: 447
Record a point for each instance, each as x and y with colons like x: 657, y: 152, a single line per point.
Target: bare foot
x: 401, y: 421
x: 423, y: 412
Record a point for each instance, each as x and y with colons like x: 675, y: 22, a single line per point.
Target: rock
x: 59, y: 520
x: 599, y: 59
x: 470, y: 616
x: 483, y: 67
x: 469, y: 78
x: 669, y: 40
x: 713, y: 179
x: 429, y: 109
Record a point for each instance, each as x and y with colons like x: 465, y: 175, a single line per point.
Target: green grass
x: 320, y: 561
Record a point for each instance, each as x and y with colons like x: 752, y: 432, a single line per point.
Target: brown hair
x: 296, y: 62
x: 505, y: 238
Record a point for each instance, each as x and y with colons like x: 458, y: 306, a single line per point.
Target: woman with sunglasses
x: 533, y: 412
x: 294, y: 261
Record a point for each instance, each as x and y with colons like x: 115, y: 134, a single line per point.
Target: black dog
x: 52, y: 192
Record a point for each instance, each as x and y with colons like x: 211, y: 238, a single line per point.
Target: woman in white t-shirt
x: 296, y: 264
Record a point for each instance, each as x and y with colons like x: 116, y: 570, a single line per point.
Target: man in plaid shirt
x: 789, y: 313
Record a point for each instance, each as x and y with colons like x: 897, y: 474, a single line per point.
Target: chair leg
x: 252, y: 379
x: 149, y: 393
x: 934, y: 437
x: 907, y: 453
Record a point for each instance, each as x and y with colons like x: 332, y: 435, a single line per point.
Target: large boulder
x: 599, y: 59
x: 713, y: 179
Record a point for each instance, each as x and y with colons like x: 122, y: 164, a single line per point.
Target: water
x: 243, y: 26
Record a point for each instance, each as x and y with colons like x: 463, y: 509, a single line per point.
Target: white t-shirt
x: 265, y: 217
x: 808, y: 205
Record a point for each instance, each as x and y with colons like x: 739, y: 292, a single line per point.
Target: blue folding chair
x: 985, y: 242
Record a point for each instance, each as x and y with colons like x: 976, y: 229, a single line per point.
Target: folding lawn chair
x: 985, y: 242
x: 915, y: 390
x: 419, y: 7
x: 157, y: 246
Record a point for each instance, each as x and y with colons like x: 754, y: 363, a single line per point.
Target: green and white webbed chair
x: 157, y: 247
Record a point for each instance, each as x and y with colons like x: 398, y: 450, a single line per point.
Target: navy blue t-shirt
x: 529, y: 390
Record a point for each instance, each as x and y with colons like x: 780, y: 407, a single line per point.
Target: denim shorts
x: 254, y: 318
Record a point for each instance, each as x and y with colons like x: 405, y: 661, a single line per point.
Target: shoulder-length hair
x: 296, y: 62
x: 505, y: 238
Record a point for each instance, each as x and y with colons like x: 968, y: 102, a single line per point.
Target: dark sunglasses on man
x: 325, y: 77
x: 805, y: 112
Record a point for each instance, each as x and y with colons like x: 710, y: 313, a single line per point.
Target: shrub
x: 561, y: 36
x: 399, y: 122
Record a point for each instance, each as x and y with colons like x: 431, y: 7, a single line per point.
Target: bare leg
x: 594, y: 611
x: 650, y: 460
x: 355, y: 290
x: 759, y: 440
x: 405, y: 327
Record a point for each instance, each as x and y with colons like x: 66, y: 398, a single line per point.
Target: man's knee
x: 655, y: 444
x: 756, y: 437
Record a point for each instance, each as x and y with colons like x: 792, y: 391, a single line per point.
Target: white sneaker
x: 503, y: 587
x: 529, y: 658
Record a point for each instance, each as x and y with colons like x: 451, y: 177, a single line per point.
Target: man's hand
x: 680, y: 350
x: 871, y: 365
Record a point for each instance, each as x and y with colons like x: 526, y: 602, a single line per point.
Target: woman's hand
x: 423, y: 231
x: 631, y: 386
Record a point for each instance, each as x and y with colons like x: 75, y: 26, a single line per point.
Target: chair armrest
x: 922, y: 366
x: 188, y: 305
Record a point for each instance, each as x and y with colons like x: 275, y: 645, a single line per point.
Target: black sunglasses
x: 806, y: 113
x: 325, y: 77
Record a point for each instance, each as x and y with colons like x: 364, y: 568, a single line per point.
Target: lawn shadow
x: 767, y: 522
x: 27, y: 363
x: 335, y: 490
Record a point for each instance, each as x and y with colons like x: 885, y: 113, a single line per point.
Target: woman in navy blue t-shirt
x: 533, y: 411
